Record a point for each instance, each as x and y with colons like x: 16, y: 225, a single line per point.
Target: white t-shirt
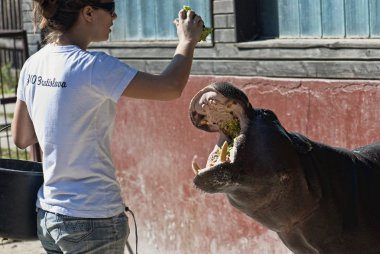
x: 71, y: 96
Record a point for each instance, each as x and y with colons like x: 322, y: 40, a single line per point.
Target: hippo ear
x: 301, y: 143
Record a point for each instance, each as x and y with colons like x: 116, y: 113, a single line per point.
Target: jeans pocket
x: 75, y: 229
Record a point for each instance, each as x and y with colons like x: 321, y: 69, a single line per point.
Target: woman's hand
x: 189, y: 26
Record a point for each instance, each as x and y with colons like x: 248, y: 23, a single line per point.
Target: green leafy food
x: 186, y: 8
x: 229, y: 148
x: 230, y: 127
x: 206, y: 30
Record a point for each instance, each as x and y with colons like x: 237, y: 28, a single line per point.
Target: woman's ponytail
x: 57, y: 16
x: 49, y: 7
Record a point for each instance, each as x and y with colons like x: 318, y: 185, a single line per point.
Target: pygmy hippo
x: 318, y: 198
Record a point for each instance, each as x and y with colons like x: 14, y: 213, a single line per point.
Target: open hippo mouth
x: 222, y: 108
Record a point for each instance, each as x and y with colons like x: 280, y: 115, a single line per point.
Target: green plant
x: 14, y: 153
x: 8, y: 78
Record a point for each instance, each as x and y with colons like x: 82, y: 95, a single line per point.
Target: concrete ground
x: 24, y: 247
x: 18, y: 247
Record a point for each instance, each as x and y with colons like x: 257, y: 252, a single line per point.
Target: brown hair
x: 54, y: 17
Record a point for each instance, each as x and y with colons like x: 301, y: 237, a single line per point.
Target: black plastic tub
x: 19, y: 183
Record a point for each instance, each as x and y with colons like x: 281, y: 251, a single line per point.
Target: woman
x: 66, y: 103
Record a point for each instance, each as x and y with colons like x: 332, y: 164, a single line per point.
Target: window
x: 152, y: 20
x: 308, y: 19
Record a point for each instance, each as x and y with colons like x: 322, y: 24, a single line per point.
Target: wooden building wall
x: 287, y: 58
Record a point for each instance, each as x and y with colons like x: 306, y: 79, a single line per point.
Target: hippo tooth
x: 203, y: 122
x: 195, y: 167
x: 223, y: 152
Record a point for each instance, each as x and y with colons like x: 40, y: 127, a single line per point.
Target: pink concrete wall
x: 154, y: 143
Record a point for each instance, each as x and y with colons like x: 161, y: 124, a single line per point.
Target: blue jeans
x: 64, y: 234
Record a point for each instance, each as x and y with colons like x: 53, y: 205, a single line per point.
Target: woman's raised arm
x: 170, y: 83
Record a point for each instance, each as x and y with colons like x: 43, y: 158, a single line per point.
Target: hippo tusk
x: 223, y: 152
x: 195, y: 166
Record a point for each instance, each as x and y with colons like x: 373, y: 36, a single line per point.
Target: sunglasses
x: 108, y: 7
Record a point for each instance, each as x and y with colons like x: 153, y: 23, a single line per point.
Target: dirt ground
x: 18, y: 247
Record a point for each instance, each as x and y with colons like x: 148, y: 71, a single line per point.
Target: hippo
x: 318, y: 198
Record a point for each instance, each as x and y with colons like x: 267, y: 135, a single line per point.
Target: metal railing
x: 13, y: 54
x: 10, y: 15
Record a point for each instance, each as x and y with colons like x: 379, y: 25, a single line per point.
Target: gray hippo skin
x: 318, y: 198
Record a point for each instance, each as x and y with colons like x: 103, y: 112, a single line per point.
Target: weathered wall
x: 155, y: 143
